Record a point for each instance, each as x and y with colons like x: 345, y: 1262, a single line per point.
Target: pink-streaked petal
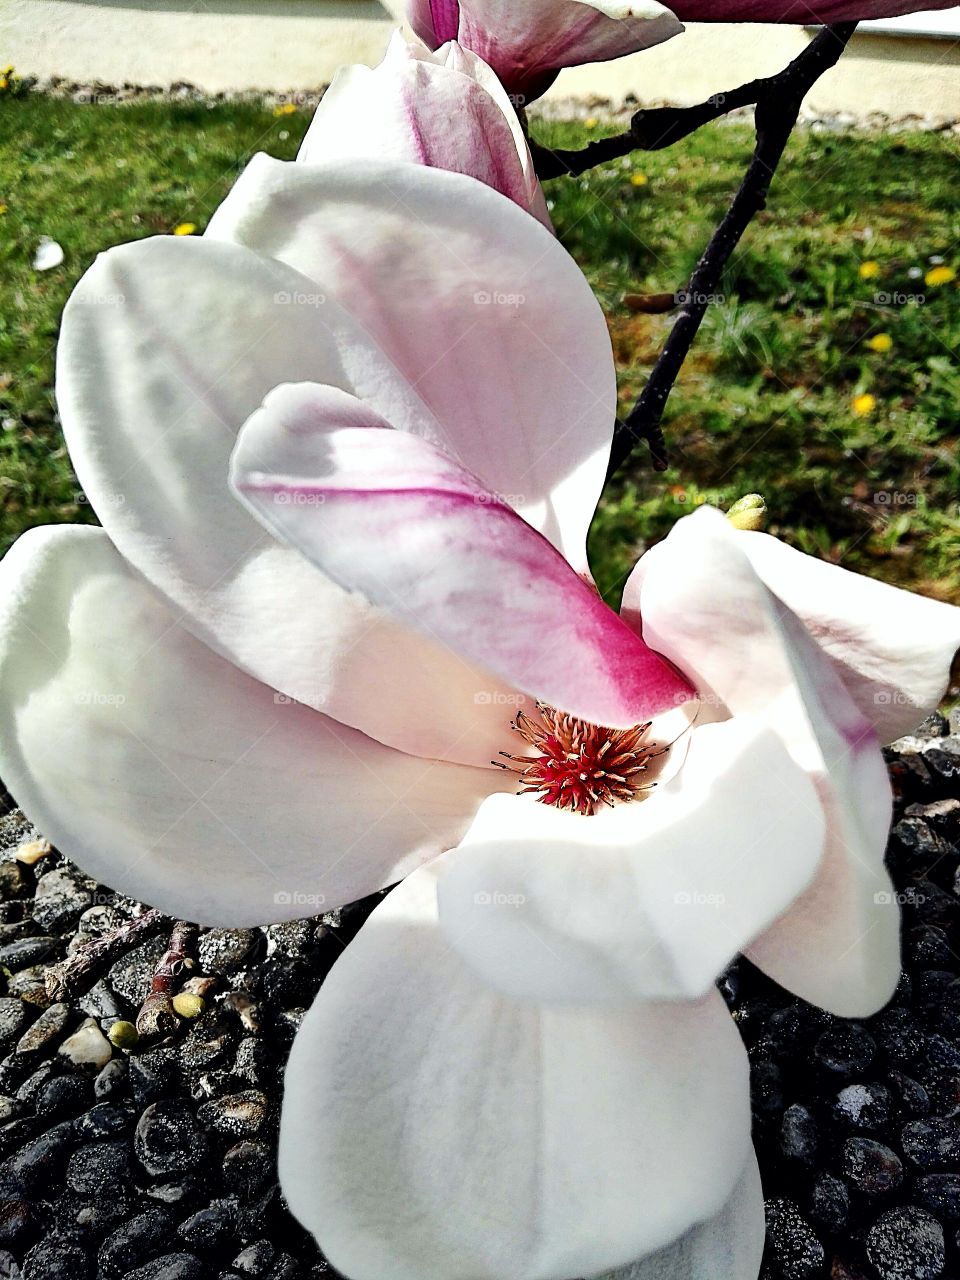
x: 434, y: 1130
x: 389, y: 515
x: 649, y: 899
x: 704, y: 606
x: 891, y: 648
x: 728, y: 1246
x: 528, y: 44
x: 800, y: 12
x: 168, y: 774
x: 402, y: 111
x: 167, y: 346
x: 480, y: 309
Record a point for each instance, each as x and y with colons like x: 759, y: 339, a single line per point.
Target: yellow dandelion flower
x: 864, y: 404
x: 3, y: 210
x: 939, y: 275
x: 184, y: 229
x: 284, y: 109
x: 869, y: 270
x: 638, y: 179
x: 591, y: 122
x: 881, y: 343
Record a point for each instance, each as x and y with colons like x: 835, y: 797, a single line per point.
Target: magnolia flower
x: 404, y: 109
x: 527, y: 42
x: 788, y: 11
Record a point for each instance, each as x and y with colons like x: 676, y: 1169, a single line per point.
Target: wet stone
x: 932, y: 1144
x: 62, y: 896
x: 101, y: 1003
x: 57, y: 1260
x: 132, y: 974
x: 26, y: 952
x: 40, y: 1163
x: 248, y: 1169
x: 14, y: 1016
x: 135, y: 1242
x: 48, y: 1027
x: 796, y: 1250
x: 99, y: 1168
x: 15, y: 1211
x: 911, y: 1097
x: 830, y: 1203
x: 226, y: 951
x: 766, y: 1087
x: 111, y: 1080
x: 907, y: 1244
x: 153, y: 1075
x: 167, y: 1139
x: 864, y: 1106
x: 872, y: 1167
x: 171, y: 1266
x: 211, y: 1228
x: 846, y: 1050
x: 255, y: 1259
x: 798, y: 1135
x: 940, y: 1194
x: 241, y: 1114
x: 62, y: 1096
x: 105, y: 1120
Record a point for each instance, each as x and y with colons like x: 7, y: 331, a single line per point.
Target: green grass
x: 765, y: 402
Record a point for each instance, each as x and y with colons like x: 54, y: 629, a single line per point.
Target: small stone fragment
x: 87, y: 1047
x: 872, y: 1167
x: 33, y: 851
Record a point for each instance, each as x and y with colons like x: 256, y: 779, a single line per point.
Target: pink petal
x: 165, y: 772
x: 892, y: 649
x: 799, y: 11
x: 528, y: 43
x: 390, y: 515
x: 402, y: 111
x: 704, y: 606
x: 167, y: 346
x: 482, y: 312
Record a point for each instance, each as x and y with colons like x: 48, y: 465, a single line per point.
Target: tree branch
x: 777, y: 109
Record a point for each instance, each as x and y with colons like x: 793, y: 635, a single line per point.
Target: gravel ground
x: 156, y: 1162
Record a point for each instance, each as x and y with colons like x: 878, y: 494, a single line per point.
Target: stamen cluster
x: 577, y: 765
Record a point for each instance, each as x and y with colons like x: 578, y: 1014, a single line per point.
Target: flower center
x: 579, y: 766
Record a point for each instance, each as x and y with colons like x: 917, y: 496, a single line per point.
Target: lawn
x: 813, y: 381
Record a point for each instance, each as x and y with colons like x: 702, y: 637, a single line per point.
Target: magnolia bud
x: 748, y: 512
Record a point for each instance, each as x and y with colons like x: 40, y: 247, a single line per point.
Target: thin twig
x: 157, y: 1016
x: 81, y: 970
x: 776, y: 114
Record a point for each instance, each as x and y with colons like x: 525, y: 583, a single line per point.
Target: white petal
x: 477, y: 305
x: 727, y: 1247
x: 168, y: 774
x: 49, y: 254
x: 168, y: 345
x: 891, y: 648
x: 651, y: 898
x: 704, y: 606
x: 433, y: 1130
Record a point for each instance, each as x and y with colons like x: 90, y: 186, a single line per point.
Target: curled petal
x: 528, y: 44
x: 481, y: 311
x: 650, y: 899
x: 168, y: 774
x: 811, y: 11
x: 891, y: 648
x: 434, y: 1130
x: 388, y: 514
x: 703, y: 605
x: 402, y: 110
x: 167, y: 346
